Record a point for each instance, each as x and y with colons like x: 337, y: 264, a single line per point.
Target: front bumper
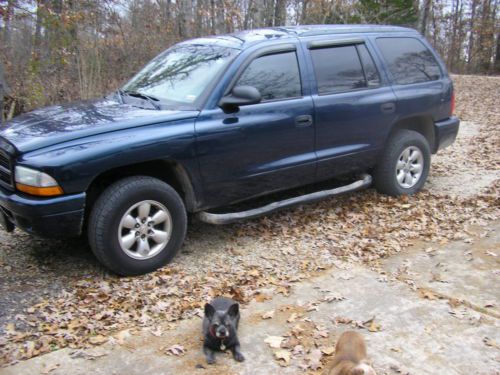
x: 445, y: 132
x: 46, y: 217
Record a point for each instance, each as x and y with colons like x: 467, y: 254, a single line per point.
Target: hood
x: 59, y: 123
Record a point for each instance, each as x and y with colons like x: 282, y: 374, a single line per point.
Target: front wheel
x: 404, y: 164
x: 137, y: 225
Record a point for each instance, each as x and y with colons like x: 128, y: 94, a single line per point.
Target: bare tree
x: 4, y: 91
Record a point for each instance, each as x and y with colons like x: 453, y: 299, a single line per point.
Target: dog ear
x: 209, y: 311
x: 233, y: 310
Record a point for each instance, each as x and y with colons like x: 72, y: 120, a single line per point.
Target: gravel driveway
x: 54, y: 294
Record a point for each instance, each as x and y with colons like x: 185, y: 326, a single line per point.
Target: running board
x: 210, y: 218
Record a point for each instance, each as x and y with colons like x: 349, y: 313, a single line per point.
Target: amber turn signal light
x: 50, y: 191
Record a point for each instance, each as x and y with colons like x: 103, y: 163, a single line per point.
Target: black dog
x: 220, y: 324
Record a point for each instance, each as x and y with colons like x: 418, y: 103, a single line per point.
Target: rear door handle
x: 303, y: 121
x: 388, y: 107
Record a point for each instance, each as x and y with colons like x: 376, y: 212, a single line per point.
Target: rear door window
x: 409, y: 60
x: 344, y: 68
x: 337, y: 69
x: 275, y: 76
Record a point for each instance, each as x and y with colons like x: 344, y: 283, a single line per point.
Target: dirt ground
x: 415, y: 275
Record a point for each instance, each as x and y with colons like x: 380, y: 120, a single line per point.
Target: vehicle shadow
x: 33, y: 269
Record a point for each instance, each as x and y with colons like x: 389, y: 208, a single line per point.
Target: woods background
x: 61, y: 50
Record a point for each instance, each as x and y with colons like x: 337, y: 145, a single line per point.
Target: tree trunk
x: 279, y: 13
x: 424, y: 16
x: 452, y: 49
x: 198, y: 13
x: 269, y: 13
x: 497, y: 58
x: 493, y: 28
x: 303, y: 17
x: 248, y: 15
x: 181, y: 20
x: 4, y: 90
x: 470, y: 47
x: 7, y: 19
x: 37, y: 43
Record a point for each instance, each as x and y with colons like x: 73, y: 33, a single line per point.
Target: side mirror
x: 240, y: 95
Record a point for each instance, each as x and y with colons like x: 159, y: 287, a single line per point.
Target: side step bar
x: 210, y: 218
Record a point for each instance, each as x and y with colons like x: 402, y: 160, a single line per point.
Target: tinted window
x: 275, y: 76
x: 371, y: 72
x: 409, y: 61
x: 337, y: 69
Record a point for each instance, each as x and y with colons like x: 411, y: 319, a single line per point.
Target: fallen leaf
x: 283, y: 357
x: 29, y: 349
x: 491, y: 342
x: 374, y: 327
x: 329, y: 350
x: 427, y: 294
x: 260, y: 297
x: 290, y: 343
x: 292, y: 318
x: 175, y: 350
x: 314, y: 359
x: 88, y: 354
x: 98, y: 340
x: 320, y: 333
x: 283, y: 290
x: 298, y: 349
x: 332, y: 297
x: 274, y: 341
x: 50, y: 368
x: 122, y: 336
x: 454, y: 302
x: 157, y: 332
x: 268, y: 315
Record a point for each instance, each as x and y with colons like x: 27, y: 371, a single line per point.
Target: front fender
x: 75, y: 164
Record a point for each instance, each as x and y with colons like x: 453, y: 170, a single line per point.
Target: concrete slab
x: 462, y: 270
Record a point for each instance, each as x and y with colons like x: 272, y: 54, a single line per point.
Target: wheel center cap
x: 143, y: 229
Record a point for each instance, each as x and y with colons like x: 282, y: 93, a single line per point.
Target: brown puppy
x: 350, y: 356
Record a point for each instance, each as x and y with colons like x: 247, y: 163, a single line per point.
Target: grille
x: 5, y: 170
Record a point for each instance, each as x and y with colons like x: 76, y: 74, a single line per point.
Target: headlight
x: 36, y: 183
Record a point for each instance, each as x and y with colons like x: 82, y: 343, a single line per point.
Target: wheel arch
x: 168, y: 171
x: 421, y: 124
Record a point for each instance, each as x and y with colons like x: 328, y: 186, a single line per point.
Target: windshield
x: 181, y: 73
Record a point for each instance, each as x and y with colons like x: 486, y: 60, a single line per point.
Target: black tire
x: 108, y: 210
x: 385, y: 172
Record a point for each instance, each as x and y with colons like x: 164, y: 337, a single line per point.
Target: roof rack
x: 343, y: 30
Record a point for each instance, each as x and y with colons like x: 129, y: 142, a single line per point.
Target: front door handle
x: 388, y: 107
x: 303, y: 121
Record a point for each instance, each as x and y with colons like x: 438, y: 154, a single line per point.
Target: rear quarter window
x: 371, y: 73
x: 409, y: 60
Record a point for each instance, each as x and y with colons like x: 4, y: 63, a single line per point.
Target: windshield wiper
x: 136, y: 94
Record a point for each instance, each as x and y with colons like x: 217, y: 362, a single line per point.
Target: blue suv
x: 217, y: 120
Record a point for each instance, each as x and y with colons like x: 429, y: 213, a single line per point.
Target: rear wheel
x: 137, y: 225
x: 404, y: 165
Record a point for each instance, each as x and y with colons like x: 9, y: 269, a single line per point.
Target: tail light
x: 452, y: 104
